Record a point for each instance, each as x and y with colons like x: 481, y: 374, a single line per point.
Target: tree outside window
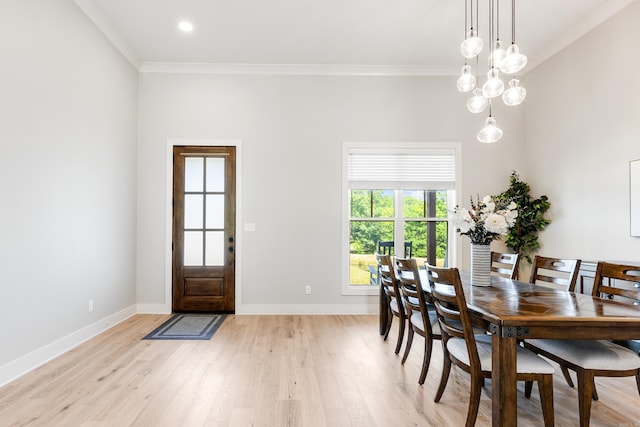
x: 421, y: 220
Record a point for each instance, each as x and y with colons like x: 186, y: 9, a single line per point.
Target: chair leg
x: 446, y: 368
x: 408, y: 347
x: 426, y: 360
x: 401, y: 326
x: 567, y: 377
x: 528, y: 385
x: 389, y: 322
x: 545, y: 387
x: 474, y: 401
x: 638, y: 382
x: 585, y: 394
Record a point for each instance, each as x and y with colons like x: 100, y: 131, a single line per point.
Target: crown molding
x: 95, y: 14
x: 99, y: 20
x: 299, y: 69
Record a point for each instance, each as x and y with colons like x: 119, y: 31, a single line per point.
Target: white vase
x: 480, y: 265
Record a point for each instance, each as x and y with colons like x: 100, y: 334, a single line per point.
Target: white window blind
x: 371, y: 168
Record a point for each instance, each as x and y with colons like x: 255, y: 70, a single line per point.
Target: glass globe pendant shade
x: 498, y: 55
x: 493, y: 86
x: 472, y: 45
x: 466, y: 82
x: 490, y: 132
x: 515, y: 94
x: 514, y: 61
x: 477, y: 103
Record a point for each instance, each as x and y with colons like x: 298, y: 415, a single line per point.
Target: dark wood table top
x: 522, y: 304
x: 514, y: 303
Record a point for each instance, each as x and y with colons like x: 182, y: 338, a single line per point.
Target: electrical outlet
x: 90, y: 305
x: 307, y: 290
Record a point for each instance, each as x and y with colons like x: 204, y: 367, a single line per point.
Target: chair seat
x: 416, y: 320
x: 591, y: 354
x: 527, y: 361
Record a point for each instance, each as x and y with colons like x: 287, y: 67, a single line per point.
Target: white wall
x: 68, y: 128
x: 582, y: 128
x: 292, y: 128
x: 80, y: 200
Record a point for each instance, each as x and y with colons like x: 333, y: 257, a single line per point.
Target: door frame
x: 168, y: 282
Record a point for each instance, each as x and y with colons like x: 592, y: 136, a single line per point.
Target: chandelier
x: 509, y: 61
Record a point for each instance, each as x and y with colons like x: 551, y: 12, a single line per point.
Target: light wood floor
x: 269, y: 371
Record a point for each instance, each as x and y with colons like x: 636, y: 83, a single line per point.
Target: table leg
x: 503, y: 380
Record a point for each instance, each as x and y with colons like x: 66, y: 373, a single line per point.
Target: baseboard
x: 44, y: 354
x: 307, y: 309
x: 153, y: 309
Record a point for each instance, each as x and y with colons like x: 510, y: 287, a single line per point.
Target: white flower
x: 462, y: 220
x: 489, y: 205
x: 511, y: 216
x: 496, y: 223
x: 482, y: 222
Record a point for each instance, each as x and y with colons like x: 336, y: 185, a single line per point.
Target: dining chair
x: 472, y: 352
x: 395, y: 305
x: 597, y: 358
x: 505, y: 265
x: 387, y: 248
x: 555, y: 272
x: 422, y: 320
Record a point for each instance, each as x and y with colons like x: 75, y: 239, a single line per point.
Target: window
x: 397, y: 195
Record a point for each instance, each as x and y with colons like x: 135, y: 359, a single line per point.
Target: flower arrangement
x: 486, y: 220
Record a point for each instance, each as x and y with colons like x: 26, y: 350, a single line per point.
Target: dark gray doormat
x: 187, y: 327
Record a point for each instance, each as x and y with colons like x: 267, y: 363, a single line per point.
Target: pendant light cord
x: 513, y: 21
x: 477, y: 25
x: 491, y: 34
x: 497, y: 20
x: 466, y: 21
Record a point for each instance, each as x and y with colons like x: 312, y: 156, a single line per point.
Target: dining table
x: 512, y: 310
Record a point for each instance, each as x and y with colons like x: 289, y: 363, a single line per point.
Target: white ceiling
x: 419, y: 35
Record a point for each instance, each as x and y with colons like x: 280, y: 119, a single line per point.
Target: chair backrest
x: 505, y: 265
x: 555, y: 272
x: 387, y: 277
x: 412, y: 291
x: 451, y: 306
x: 619, y: 281
x: 387, y: 248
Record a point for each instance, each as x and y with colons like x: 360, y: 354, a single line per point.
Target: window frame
x: 451, y: 148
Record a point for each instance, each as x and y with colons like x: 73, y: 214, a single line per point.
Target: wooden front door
x: 204, y: 204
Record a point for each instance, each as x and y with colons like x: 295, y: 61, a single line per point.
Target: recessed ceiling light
x: 185, y: 26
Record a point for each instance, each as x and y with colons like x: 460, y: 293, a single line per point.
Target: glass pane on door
x: 193, y: 248
x: 193, y: 211
x: 193, y: 174
x: 215, y: 174
x: 215, y: 211
x: 215, y: 248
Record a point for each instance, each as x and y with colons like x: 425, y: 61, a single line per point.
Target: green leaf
x: 523, y: 236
